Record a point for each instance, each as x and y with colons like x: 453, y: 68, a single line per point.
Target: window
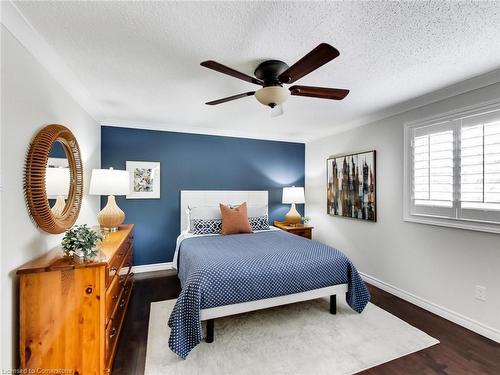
x: 452, y: 170
x: 433, y: 169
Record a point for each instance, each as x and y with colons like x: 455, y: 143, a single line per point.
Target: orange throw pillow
x: 235, y: 220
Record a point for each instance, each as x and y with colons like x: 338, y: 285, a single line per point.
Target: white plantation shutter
x: 432, y: 164
x: 433, y: 169
x: 452, y: 170
x: 480, y: 167
x: 492, y: 165
x: 471, y: 164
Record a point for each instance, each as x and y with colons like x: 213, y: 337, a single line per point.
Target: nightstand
x: 299, y: 229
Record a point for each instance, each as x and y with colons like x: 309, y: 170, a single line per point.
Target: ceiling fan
x: 273, y: 74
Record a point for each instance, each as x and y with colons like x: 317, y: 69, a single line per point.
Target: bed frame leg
x: 333, y: 304
x: 210, y: 331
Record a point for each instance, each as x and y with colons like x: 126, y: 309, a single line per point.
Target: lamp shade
x: 293, y: 195
x: 272, y: 95
x: 109, y: 182
x: 57, y: 182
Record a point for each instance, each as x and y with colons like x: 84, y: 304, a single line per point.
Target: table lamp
x: 110, y: 182
x: 57, y: 186
x: 293, y: 195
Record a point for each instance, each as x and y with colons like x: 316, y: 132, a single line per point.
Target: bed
x: 227, y: 275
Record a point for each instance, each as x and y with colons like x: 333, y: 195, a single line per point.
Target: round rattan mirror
x: 53, y: 180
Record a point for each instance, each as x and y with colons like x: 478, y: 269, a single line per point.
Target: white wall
x: 31, y: 98
x: 435, y: 265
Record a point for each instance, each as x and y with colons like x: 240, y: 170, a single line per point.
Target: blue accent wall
x: 196, y: 162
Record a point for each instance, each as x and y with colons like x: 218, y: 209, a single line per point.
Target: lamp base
x: 293, y: 217
x: 111, y: 216
x: 113, y: 229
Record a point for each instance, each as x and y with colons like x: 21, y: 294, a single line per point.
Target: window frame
x: 435, y: 215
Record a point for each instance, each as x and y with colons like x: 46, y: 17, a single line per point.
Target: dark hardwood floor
x: 460, y: 351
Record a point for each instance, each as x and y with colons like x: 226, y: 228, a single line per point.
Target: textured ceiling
x: 140, y: 60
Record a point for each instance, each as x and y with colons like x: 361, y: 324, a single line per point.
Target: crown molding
x: 236, y: 133
x: 17, y: 24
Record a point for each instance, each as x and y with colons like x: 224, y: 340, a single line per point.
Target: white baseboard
x: 443, y: 312
x: 153, y: 267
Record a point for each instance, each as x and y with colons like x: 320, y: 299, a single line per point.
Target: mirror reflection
x: 57, y: 179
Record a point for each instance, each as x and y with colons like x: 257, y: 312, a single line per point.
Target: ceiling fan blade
x: 229, y: 98
x: 319, y: 92
x: 210, y: 64
x: 312, y: 61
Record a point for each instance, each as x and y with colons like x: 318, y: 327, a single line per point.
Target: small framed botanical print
x: 144, y: 179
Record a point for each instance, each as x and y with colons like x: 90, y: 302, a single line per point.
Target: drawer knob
x: 88, y: 290
x: 115, y: 297
x: 122, y: 302
x: 113, y: 333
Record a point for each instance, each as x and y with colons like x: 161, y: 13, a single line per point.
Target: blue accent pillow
x: 214, y: 226
x: 206, y: 226
x: 259, y: 223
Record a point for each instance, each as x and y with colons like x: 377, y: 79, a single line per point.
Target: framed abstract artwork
x: 144, y: 179
x: 351, y: 186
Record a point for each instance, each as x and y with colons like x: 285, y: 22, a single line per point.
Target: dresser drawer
x: 116, y: 322
x: 112, y: 333
x: 119, y: 286
x: 117, y: 260
x: 126, y: 266
x: 112, y: 296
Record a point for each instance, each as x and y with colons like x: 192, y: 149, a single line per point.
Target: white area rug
x: 302, y: 338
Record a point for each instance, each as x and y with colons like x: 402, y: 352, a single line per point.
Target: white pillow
x: 257, y: 211
x: 188, y: 216
x: 254, y: 211
x: 202, y: 212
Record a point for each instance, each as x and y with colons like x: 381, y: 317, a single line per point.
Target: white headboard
x: 196, y: 198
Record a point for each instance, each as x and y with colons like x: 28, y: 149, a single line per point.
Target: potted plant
x: 82, y: 241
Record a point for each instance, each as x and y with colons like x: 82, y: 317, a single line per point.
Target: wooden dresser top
x: 54, y: 260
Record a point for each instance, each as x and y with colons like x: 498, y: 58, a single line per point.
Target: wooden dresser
x: 72, y: 312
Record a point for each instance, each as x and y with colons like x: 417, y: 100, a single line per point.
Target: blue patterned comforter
x: 223, y: 270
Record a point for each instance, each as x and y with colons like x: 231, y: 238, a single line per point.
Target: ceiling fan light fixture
x: 272, y: 95
x: 272, y: 74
